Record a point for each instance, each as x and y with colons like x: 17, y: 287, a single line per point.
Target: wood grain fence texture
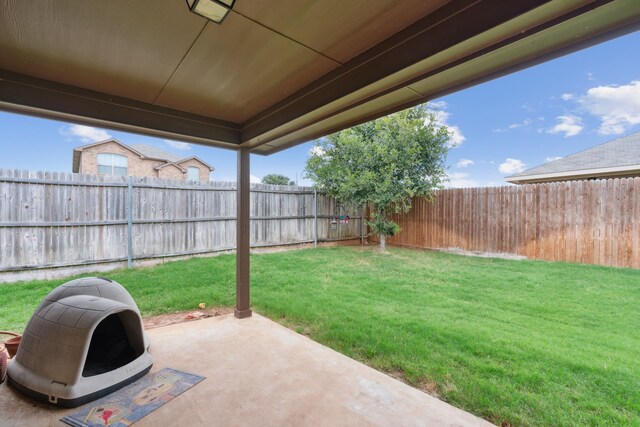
x: 50, y: 219
x: 591, y: 222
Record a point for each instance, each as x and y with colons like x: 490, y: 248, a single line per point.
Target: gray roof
x: 619, y: 152
x: 156, y: 153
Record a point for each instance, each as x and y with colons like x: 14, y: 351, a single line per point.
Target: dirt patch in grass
x: 397, y: 374
x: 499, y: 421
x: 152, y: 322
x: 429, y: 387
x: 426, y: 385
x: 501, y: 255
x: 363, y: 262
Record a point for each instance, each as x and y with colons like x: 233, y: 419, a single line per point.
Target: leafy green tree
x: 277, y: 179
x: 384, y: 163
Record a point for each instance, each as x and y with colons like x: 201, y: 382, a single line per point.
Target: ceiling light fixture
x: 213, y: 10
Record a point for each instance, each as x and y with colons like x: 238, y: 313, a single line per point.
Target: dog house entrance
x: 111, y: 345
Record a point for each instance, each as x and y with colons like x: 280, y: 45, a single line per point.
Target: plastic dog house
x: 85, y: 340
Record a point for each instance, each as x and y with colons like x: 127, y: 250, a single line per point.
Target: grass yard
x: 515, y: 342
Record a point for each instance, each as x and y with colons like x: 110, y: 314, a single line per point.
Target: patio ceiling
x: 276, y: 72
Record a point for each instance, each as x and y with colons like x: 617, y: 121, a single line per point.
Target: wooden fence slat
x: 613, y: 221
x: 635, y: 228
x: 589, y: 220
x: 627, y: 211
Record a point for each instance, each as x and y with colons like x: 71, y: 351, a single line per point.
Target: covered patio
x: 272, y: 75
x: 261, y: 373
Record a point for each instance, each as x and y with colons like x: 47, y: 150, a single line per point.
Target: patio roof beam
x: 243, y: 304
x: 47, y: 99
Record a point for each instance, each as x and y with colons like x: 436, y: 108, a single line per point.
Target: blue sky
x: 502, y: 127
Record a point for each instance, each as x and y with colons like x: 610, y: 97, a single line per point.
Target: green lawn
x: 516, y: 342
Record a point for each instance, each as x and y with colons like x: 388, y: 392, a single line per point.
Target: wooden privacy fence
x: 592, y: 222
x: 50, y: 219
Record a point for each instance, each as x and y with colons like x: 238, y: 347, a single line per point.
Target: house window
x: 112, y: 164
x: 193, y: 173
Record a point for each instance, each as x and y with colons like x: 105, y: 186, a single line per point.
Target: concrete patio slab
x: 261, y: 373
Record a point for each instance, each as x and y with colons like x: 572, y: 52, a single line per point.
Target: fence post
x: 129, y: 221
x: 315, y: 218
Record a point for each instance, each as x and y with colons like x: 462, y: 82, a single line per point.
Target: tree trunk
x: 383, y: 236
x: 383, y: 243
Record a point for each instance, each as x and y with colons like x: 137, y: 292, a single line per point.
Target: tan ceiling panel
x: 339, y: 29
x: 119, y: 47
x: 238, y: 69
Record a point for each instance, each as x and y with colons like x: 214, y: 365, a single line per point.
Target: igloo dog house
x: 84, y: 340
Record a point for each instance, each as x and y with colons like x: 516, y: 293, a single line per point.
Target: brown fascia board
x: 211, y: 168
x: 47, y: 99
x: 447, y: 26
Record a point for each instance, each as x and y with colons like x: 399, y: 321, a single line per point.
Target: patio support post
x: 243, y: 236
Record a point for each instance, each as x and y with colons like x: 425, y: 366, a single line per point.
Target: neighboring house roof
x: 164, y: 165
x: 196, y: 158
x: 156, y: 153
x: 144, y: 151
x: 620, y: 157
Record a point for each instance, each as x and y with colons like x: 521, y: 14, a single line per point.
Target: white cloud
x: 552, y: 159
x: 437, y: 105
x: 442, y: 119
x: 463, y: 163
x: 525, y: 122
x: 617, y: 107
x: 316, y: 150
x: 457, y: 138
x: 570, y: 125
x: 85, y: 133
x: 566, y: 96
x: 254, y: 179
x: 461, y: 180
x: 590, y: 77
x: 527, y: 107
x: 511, y: 166
x: 177, y: 144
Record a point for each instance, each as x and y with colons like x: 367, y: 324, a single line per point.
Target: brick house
x: 115, y: 158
